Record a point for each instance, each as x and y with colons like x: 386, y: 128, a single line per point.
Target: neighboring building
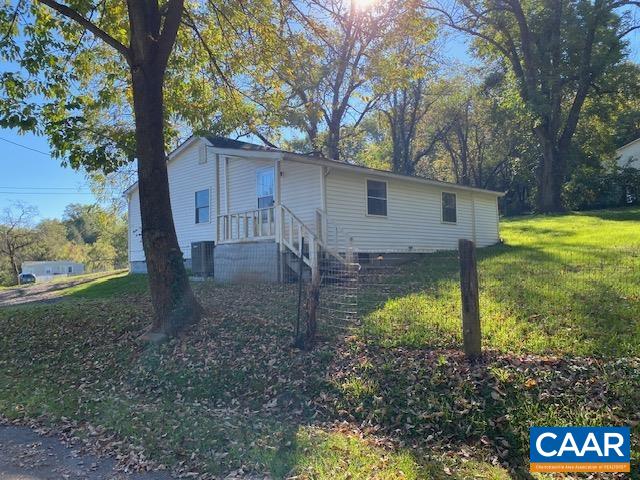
x: 629, y: 155
x: 51, y: 268
x: 255, y: 203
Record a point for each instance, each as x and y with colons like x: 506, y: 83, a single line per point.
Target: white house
x: 51, y: 268
x: 629, y: 155
x: 256, y: 203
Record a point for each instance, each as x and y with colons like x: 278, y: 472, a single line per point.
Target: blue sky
x: 30, y: 175
x: 33, y: 177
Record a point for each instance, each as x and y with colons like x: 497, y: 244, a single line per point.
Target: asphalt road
x: 25, y: 455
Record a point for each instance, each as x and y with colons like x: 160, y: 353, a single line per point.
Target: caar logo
x: 580, y: 449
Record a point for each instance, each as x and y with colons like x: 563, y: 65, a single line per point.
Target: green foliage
x: 64, y: 83
x: 591, y: 188
x: 87, y: 234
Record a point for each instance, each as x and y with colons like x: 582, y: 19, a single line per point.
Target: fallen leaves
x: 232, y: 394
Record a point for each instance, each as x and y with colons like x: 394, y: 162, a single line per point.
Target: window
x: 449, y: 214
x: 264, y: 187
x: 376, y: 198
x: 69, y: 269
x: 202, y: 206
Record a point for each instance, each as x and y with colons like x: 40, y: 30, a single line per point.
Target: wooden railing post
x: 471, y: 333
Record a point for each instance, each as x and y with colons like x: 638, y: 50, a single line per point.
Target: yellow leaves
x: 530, y: 383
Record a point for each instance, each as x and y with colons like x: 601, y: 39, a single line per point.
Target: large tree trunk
x: 550, y: 174
x: 174, y: 303
x: 332, y: 144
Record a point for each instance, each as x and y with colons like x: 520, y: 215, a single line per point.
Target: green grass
x: 564, y: 284
x: 120, y: 283
x: 384, y: 402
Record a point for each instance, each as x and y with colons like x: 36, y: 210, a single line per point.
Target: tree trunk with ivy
x: 174, y: 304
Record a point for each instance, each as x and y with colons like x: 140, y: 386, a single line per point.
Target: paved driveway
x: 25, y: 455
x: 48, y: 292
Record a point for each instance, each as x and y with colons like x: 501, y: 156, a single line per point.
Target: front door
x: 265, y: 181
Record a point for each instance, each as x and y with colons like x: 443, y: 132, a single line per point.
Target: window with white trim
x: 376, y: 198
x: 202, y: 206
x: 449, y: 209
x: 264, y: 187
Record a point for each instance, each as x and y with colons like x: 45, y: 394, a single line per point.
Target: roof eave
x: 627, y: 144
x: 384, y: 173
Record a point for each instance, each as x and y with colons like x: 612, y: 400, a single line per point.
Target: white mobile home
x: 629, y: 155
x: 51, y: 268
x: 253, y: 202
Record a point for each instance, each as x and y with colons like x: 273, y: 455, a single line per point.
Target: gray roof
x: 224, y: 142
x: 228, y: 143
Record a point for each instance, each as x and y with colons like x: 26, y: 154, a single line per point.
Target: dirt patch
x: 42, y: 292
x: 25, y: 455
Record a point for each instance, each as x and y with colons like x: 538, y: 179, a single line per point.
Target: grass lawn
x: 380, y: 402
x: 564, y: 284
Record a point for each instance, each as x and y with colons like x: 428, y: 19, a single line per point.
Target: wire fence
x: 531, y: 300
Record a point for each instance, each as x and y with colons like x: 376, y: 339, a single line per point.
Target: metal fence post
x: 471, y: 332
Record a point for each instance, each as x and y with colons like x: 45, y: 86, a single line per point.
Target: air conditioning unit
x: 202, y: 258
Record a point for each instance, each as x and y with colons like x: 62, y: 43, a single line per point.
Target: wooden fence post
x: 471, y: 333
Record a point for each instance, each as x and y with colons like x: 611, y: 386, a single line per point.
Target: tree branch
x: 71, y: 14
x: 170, y: 27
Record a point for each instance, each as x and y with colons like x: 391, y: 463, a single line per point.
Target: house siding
x: 629, y: 155
x: 54, y: 267
x: 187, y: 175
x: 413, y: 221
x: 301, y: 190
x: 242, y: 183
x: 487, y: 219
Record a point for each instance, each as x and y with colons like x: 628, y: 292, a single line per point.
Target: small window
x: 264, y: 187
x: 69, y: 269
x: 449, y: 214
x: 376, y: 198
x: 202, y: 206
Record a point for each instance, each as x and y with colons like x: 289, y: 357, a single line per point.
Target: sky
x: 28, y: 173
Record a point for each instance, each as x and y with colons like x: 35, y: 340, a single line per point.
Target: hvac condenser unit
x: 202, y: 258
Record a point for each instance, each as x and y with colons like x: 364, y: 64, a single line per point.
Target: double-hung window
x: 449, y: 212
x: 376, y: 198
x: 265, y: 181
x: 264, y: 187
x: 202, y: 206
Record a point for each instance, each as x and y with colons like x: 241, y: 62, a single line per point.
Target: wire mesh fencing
x: 532, y: 300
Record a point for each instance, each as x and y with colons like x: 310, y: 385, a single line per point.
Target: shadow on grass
x: 370, y: 404
x: 576, y: 301
x: 624, y: 214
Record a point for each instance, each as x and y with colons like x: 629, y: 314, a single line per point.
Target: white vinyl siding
x: 187, y: 175
x: 629, y: 155
x: 414, y: 210
x: 136, y: 253
x: 52, y: 267
x: 487, y: 220
x: 243, y: 195
x: 413, y: 215
x: 300, y: 190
